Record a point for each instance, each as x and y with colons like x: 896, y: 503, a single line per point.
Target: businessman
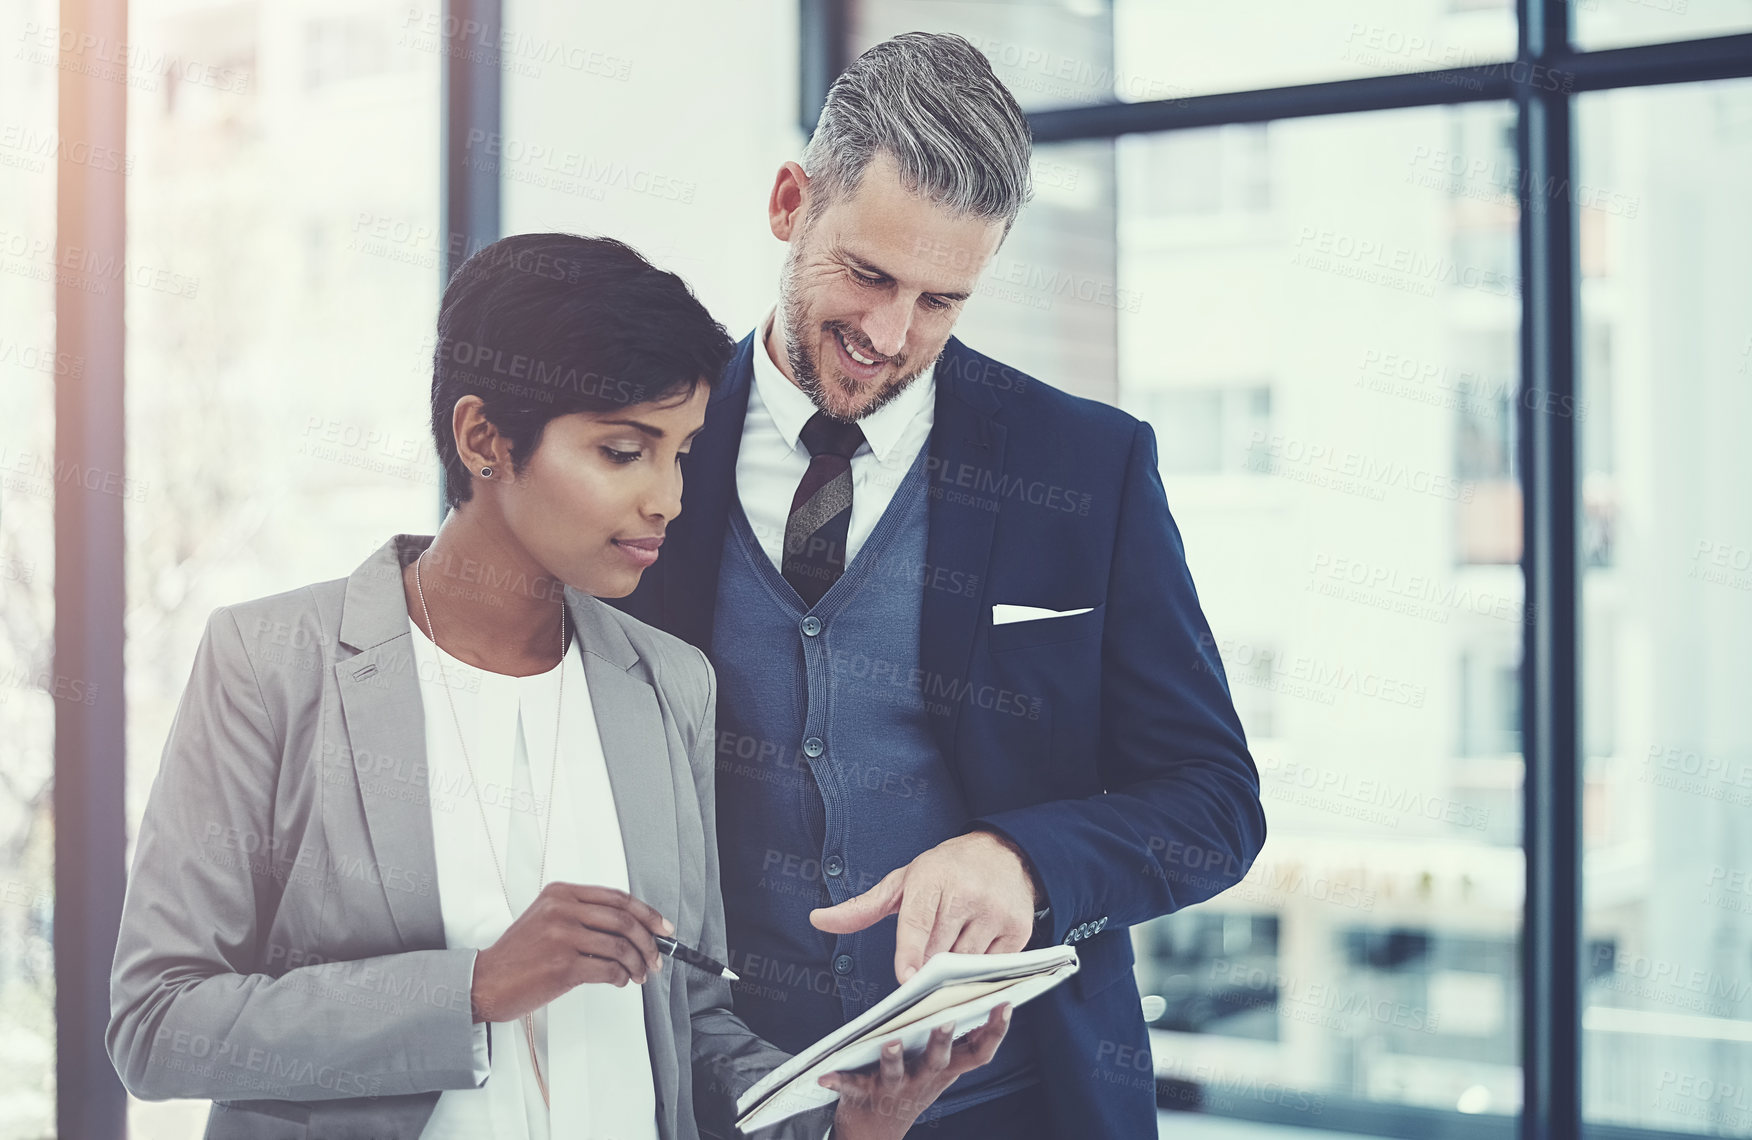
x: 967, y: 698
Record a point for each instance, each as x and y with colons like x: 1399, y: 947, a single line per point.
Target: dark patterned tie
x: 821, y: 510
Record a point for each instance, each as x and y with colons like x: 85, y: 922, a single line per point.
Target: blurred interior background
x: 1324, y: 316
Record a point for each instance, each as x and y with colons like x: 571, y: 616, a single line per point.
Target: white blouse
x: 591, y: 1040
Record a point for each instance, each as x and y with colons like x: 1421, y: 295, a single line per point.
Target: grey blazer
x: 282, y: 951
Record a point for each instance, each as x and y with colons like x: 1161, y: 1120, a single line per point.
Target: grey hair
x: 932, y: 103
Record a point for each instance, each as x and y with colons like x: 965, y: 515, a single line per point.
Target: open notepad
x: 964, y: 988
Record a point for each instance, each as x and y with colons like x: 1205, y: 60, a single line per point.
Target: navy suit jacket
x: 1105, y: 743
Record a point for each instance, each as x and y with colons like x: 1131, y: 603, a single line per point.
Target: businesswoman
x: 416, y: 830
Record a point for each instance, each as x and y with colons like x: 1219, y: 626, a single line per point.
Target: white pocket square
x: 1005, y: 614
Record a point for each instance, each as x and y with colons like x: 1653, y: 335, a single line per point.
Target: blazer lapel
x: 634, y: 744
x: 967, y: 448
x: 641, y: 772
x: 386, y: 732
x: 380, y: 694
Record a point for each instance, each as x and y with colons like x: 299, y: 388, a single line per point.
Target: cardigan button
x: 843, y: 964
x: 811, y: 626
x: 834, y: 866
x: 813, y: 747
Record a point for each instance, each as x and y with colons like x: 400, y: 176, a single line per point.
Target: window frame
x: 1541, y: 81
x: 89, y: 753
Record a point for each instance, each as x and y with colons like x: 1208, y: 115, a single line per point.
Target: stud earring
x: 486, y: 473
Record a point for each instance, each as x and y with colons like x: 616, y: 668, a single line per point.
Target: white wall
x: 665, y: 134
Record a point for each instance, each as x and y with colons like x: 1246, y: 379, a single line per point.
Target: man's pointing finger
x: 856, y: 913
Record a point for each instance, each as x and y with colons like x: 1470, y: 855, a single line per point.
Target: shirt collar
x: 790, y: 409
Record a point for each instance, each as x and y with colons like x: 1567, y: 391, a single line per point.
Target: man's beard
x: 797, y: 351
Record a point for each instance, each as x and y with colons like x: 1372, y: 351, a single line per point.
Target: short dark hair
x: 544, y: 325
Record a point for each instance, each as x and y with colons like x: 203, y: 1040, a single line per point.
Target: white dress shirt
x: 590, y: 1040
x: 772, y: 459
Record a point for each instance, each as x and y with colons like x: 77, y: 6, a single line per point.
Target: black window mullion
x: 1681, y: 61
x: 1551, y: 939
x: 824, y: 41
x: 1482, y: 83
x: 1554, y: 72
x: 471, y: 96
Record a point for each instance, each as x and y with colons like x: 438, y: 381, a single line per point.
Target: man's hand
x: 883, y: 1104
x: 973, y: 894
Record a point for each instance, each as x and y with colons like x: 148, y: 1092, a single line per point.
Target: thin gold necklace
x: 553, y: 770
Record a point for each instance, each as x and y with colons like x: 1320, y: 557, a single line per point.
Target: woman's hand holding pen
x: 570, y: 935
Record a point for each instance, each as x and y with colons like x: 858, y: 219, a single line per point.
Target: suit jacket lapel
x: 386, y: 732
x: 967, y: 449
x: 691, y: 552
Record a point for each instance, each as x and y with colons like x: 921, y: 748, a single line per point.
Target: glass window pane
x: 1079, y: 52
x: 1666, y: 383
x: 1198, y: 48
x: 1325, y: 342
x: 30, y: 368
x: 1048, y: 55
x: 1050, y: 296
x: 1617, y: 23
x: 283, y: 233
